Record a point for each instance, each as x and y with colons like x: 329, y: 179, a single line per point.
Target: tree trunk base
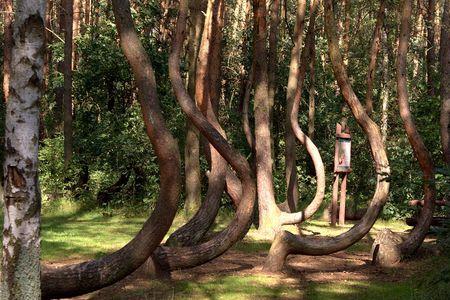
x: 386, y: 250
x: 278, y: 253
x: 153, y: 270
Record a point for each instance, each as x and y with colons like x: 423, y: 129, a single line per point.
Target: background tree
x: 67, y: 70
x: 445, y: 82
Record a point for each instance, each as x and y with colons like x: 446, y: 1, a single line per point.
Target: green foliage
x: 109, y: 137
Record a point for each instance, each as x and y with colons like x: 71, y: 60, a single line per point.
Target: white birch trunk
x: 21, y: 244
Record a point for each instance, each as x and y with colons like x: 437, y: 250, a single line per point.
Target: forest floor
x: 77, y: 236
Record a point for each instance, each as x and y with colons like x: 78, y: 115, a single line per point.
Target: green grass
x: 71, y: 234
x: 232, y: 287
x: 85, y: 235
x: 363, y: 290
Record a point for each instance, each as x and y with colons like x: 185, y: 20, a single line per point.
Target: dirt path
x: 341, y: 266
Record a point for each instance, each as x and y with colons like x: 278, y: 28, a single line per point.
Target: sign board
x: 342, y: 155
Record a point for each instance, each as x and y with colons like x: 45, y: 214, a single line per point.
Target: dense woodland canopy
x: 203, y: 107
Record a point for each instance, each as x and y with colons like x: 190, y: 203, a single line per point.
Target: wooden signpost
x: 342, y: 156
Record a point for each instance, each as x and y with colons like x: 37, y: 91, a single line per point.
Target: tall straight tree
x: 374, y: 49
x: 264, y: 161
x: 21, y: 244
x: 445, y: 82
x: 430, y: 23
x: 192, y: 147
x: 76, y: 23
x: 67, y: 69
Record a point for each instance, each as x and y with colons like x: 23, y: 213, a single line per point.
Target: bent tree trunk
x: 313, y: 151
x: 271, y: 217
x: 417, y: 235
x: 287, y: 243
x: 184, y: 257
x: 88, y: 276
x: 290, y: 153
x: 193, y: 231
x: 20, y: 271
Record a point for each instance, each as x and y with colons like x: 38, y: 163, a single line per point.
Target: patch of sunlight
x: 366, y: 290
x: 237, y: 287
x: 83, y: 235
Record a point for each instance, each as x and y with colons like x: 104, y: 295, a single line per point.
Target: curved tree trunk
x: 287, y: 243
x: 88, y: 276
x: 183, y: 257
x: 445, y: 82
x: 208, y: 94
x: 290, y: 150
x: 20, y: 270
x: 271, y: 217
x: 292, y: 218
x: 417, y: 235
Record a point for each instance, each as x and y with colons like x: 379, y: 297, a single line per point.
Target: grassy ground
x: 75, y: 236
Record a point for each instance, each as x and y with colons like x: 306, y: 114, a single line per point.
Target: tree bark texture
x: 346, y: 34
x: 290, y: 150
x: 192, y: 145
x: 312, y: 93
x: 445, y: 82
x: 313, y: 151
x: 385, y: 90
x: 193, y: 231
x: 7, y: 8
x: 77, y: 7
x: 271, y: 218
x: 268, y: 211
x: 417, y: 235
x: 67, y: 69
x: 374, y: 49
x: 431, y: 60
x: 183, y: 257
x: 20, y: 271
x: 88, y: 276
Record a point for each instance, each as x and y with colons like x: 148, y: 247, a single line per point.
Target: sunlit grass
x: 69, y: 233
x: 361, y: 290
x: 234, y: 287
